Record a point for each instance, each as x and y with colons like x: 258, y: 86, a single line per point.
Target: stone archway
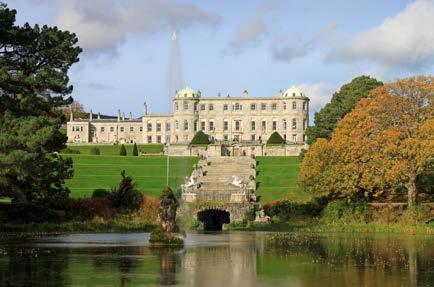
x: 213, y: 219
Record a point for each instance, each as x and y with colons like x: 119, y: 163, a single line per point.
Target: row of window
x: 121, y: 129
x: 239, y: 107
x: 158, y: 139
x: 77, y: 128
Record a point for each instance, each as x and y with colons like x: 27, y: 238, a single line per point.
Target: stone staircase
x: 214, y: 176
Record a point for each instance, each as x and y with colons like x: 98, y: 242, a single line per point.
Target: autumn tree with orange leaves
x: 381, y: 146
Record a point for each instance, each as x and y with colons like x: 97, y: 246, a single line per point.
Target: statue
x: 167, y: 232
x: 237, y: 181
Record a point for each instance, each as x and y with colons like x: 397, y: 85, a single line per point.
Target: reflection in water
x: 223, y: 259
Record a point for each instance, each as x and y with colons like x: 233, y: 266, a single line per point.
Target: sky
x: 230, y: 46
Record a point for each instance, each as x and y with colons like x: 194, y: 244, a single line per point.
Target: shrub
x: 69, y: 151
x: 302, y: 154
x: 88, y: 208
x: 275, y: 138
x: 123, y: 151
x: 135, y: 151
x: 101, y: 193
x: 200, y: 138
x: 28, y: 213
x: 286, y: 209
x: 126, y: 196
x: 342, y: 211
x: 94, y: 151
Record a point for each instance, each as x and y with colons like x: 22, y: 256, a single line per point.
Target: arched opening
x: 213, y: 219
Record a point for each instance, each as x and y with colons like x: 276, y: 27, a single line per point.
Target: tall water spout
x: 175, y: 77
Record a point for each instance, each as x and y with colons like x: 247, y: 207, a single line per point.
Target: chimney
x: 99, y: 115
x: 119, y: 115
x: 123, y: 116
x: 131, y: 116
x: 90, y: 115
x: 71, y: 115
x: 145, y: 109
x: 245, y: 93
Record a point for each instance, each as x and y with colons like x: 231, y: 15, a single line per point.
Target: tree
x: 94, y: 151
x: 126, y: 196
x: 34, y: 62
x: 135, y: 151
x: 200, y: 138
x: 382, y: 146
x: 76, y: 108
x: 275, y: 138
x: 123, y: 151
x: 341, y: 103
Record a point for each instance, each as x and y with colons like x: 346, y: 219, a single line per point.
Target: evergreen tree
x: 123, y: 151
x: 34, y: 62
x: 342, y: 102
x: 200, y: 138
x: 135, y: 150
x: 275, y: 138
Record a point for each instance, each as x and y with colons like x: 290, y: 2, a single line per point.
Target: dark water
x: 225, y: 259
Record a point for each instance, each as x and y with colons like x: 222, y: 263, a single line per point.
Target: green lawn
x: 278, y: 179
x: 114, y: 149
x: 149, y: 172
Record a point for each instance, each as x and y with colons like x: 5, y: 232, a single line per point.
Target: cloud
x: 284, y: 48
x: 99, y: 86
x: 318, y: 93
x: 250, y: 31
x: 102, y: 25
x: 405, y: 40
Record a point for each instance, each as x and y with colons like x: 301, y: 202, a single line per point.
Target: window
x: 185, y: 105
x: 81, y: 129
x: 293, y: 94
x: 158, y: 127
x: 149, y: 127
x: 211, y: 125
x: 195, y: 106
x: 294, y: 138
x: 167, y: 127
x: 263, y: 107
x: 167, y: 139
x: 202, y: 125
x: 294, y: 124
x: 252, y: 107
x: 264, y: 125
x: 112, y: 129
x: 158, y: 139
x: 294, y: 105
x: 211, y: 107
x: 202, y: 107
x: 253, y: 125
x: 225, y: 107
x: 149, y: 139
x: 122, y: 129
x: 185, y: 138
x: 195, y: 125
x: 176, y: 125
x: 176, y: 139
x: 304, y: 106
x: 131, y: 129
x: 284, y: 124
x: 274, y: 125
x: 176, y: 106
x: 237, y: 125
x: 253, y: 137
x: 284, y: 105
x: 225, y: 137
x: 141, y: 129
x: 304, y: 138
x: 185, y: 125
x: 304, y: 124
x: 225, y: 125
x: 238, y: 107
x: 102, y: 129
x: 274, y: 106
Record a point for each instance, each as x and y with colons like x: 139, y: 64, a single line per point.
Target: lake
x: 219, y: 259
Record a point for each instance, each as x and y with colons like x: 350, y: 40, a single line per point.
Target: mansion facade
x: 223, y: 118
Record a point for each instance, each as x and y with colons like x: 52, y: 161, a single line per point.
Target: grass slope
x: 149, y: 173
x: 277, y: 178
x: 114, y: 149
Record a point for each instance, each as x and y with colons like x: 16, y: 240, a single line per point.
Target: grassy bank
x: 149, y: 173
x: 316, y: 226
x: 114, y: 149
x: 277, y: 179
x: 74, y: 227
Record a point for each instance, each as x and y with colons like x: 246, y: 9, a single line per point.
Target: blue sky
x: 229, y: 46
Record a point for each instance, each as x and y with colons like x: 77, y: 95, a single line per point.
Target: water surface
x: 220, y: 259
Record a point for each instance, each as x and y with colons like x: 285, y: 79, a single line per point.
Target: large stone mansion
x: 223, y: 118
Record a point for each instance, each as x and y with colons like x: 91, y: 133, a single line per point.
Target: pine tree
x: 123, y: 151
x: 275, y: 138
x: 135, y: 151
